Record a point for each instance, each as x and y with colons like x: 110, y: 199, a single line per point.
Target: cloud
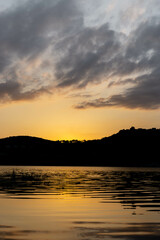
x: 145, y: 95
x: 12, y: 90
x: 27, y: 32
x: 122, y: 82
x: 31, y: 27
x: 86, y: 56
x: 45, y: 45
x: 141, y: 57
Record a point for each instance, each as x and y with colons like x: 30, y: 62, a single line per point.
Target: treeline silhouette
x: 131, y: 147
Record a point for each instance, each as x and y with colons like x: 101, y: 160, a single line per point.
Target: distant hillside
x: 131, y: 147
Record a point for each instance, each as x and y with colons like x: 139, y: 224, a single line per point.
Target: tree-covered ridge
x: 130, y: 147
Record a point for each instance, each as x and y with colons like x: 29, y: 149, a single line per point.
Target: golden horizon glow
x: 55, y: 119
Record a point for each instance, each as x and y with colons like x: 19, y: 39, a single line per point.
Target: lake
x: 79, y: 203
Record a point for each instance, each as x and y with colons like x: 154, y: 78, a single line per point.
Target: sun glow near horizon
x: 55, y: 119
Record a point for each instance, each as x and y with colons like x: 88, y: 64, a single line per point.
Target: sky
x: 78, y: 69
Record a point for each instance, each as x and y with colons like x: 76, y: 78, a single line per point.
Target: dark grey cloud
x: 26, y: 32
x: 122, y: 82
x: 145, y: 38
x: 86, y: 56
x: 12, y: 90
x: 31, y: 27
x: 141, y: 57
x: 54, y: 33
x: 145, y: 95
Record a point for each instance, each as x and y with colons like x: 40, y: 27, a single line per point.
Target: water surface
x: 79, y: 203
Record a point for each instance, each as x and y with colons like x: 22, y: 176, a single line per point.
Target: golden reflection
x: 76, y: 203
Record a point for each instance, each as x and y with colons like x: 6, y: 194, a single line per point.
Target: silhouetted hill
x: 131, y: 147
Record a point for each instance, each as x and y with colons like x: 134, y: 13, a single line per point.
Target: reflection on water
x: 143, y: 231
x: 130, y: 188
x: 123, y: 231
x: 79, y: 203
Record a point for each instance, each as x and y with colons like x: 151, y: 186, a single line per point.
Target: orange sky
x: 55, y: 119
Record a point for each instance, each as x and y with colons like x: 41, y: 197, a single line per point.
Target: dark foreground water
x: 79, y: 203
